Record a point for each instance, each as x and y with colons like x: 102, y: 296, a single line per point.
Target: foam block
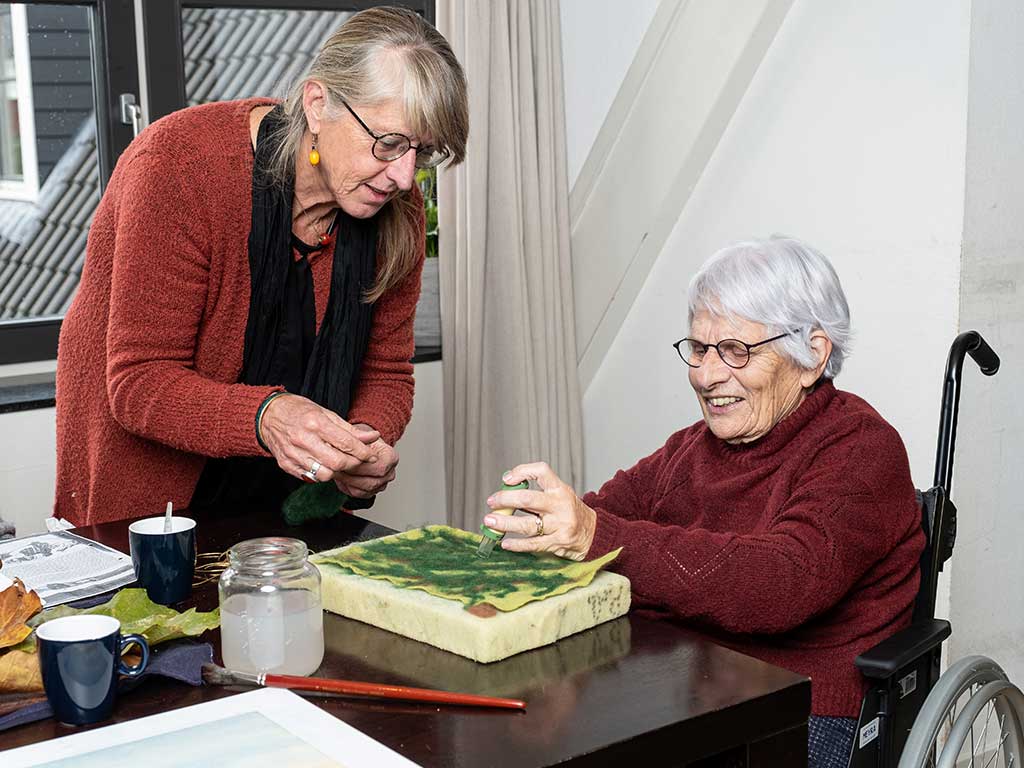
x: 482, y: 635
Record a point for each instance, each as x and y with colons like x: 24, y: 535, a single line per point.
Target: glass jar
x: 271, y: 618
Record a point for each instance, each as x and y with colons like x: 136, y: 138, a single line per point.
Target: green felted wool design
x: 313, y: 501
x: 442, y: 561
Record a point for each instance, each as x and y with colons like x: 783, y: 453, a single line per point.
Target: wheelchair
x: 911, y: 717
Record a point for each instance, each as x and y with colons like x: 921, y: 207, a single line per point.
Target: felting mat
x: 543, y: 603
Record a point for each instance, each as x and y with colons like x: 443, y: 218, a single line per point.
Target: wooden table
x: 633, y: 688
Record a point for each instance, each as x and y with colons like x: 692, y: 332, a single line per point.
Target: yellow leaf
x: 19, y: 672
x: 17, y: 606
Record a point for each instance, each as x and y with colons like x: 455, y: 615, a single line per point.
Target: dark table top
x: 632, y: 687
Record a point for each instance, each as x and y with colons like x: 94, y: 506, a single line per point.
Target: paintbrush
x: 215, y: 675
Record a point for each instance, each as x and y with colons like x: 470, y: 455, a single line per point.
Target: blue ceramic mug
x: 80, y: 658
x: 164, y: 562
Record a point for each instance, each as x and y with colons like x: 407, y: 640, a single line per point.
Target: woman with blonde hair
x: 245, y: 316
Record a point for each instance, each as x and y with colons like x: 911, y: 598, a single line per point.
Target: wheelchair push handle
x: 967, y: 343
x: 982, y: 353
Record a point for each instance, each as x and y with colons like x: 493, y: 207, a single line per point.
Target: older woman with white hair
x: 784, y: 523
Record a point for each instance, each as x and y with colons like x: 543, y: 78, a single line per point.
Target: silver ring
x: 315, y: 468
x: 540, y: 526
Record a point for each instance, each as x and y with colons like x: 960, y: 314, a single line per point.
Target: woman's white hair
x: 784, y: 284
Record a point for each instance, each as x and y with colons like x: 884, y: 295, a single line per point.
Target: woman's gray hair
x: 378, y: 55
x: 784, y: 284
x: 375, y: 56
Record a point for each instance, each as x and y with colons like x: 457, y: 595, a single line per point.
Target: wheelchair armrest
x: 894, y: 653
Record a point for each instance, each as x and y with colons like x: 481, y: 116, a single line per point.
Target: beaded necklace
x: 323, y: 239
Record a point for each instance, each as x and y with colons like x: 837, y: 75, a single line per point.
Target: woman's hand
x: 368, y: 479
x: 563, y: 524
x: 302, y: 436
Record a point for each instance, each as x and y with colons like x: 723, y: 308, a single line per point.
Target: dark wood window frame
x: 114, y: 71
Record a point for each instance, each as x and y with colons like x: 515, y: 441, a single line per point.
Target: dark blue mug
x: 164, y: 562
x: 80, y: 658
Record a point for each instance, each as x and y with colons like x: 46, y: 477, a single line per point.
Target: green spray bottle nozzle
x: 490, y: 536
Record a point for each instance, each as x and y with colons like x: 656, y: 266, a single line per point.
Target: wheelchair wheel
x: 968, y: 721
x: 987, y: 732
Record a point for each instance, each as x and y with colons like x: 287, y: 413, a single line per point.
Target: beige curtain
x: 511, y: 391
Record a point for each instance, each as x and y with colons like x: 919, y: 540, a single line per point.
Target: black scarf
x: 282, y: 345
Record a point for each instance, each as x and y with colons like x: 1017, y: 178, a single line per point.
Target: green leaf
x: 140, y: 615
x: 19, y: 669
x: 28, y: 645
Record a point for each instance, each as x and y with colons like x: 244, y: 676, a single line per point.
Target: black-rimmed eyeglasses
x: 734, y: 353
x: 391, y: 146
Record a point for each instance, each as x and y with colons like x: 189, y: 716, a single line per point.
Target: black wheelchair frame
x: 902, y: 669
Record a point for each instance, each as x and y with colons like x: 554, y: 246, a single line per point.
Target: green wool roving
x: 442, y: 561
x: 315, y: 501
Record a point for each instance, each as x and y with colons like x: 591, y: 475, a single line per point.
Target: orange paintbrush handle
x: 353, y: 688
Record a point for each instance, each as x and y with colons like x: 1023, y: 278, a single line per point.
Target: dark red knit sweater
x: 800, y: 549
x: 151, y: 347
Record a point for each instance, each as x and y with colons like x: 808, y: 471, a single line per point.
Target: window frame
x: 164, y: 79
x: 27, y: 189
x: 114, y: 71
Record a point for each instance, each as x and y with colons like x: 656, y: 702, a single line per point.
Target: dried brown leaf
x: 17, y: 606
x: 19, y: 671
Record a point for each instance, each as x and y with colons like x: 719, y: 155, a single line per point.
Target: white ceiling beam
x: 682, y: 89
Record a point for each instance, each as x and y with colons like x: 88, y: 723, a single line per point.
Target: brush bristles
x: 217, y: 675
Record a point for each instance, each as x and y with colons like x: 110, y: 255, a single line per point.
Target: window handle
x: 131, y: 113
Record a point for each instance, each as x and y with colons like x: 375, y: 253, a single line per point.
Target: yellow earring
x: 314, y: 156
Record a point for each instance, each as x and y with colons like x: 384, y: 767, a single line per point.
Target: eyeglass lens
x: 392, y: 146
x: 733, y: 353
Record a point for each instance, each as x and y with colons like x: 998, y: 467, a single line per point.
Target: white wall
x: 987, y: 602
x: 27, y: 472
x: 417, y: 496
x: 599, y: 38
x: 855, y: 135
x: 851, y: 136
x: 27, y: 459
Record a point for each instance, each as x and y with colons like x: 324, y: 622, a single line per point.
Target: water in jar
x: 279, y: 632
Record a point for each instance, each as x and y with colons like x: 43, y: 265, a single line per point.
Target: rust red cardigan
x: 151, y: 346
x: 800, y: 549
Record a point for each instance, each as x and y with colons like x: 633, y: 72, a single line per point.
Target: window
x: 64, y: 67
x: 234, y: 53
x: 428, y: 311
x: 19, y: 179
x: 48, y: 152
x: 71, y: 60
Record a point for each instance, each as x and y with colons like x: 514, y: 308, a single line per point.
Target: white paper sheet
x: 62, y: 566
x: 268, y: 728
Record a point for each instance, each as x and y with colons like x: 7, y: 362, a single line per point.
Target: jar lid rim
x: 269, y: 547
